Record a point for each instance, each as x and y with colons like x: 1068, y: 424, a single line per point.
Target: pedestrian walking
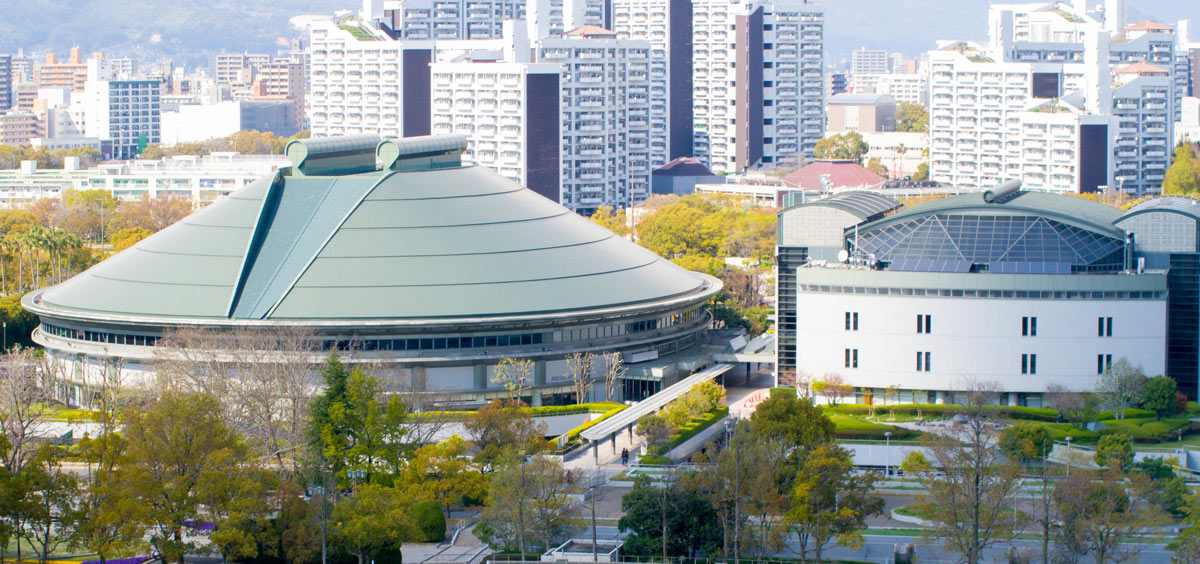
x: 624, y: 456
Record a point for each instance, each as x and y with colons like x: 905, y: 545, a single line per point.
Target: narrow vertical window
x: 854, y: 364
x: 920, y: 323
x: 1032, y: 326
x: 1024, y: 326
x: 928, y: 323
x: 847, y: 358
x: 1033, y: 364
x: 1024, y: 364
x: 928, y: 361
x: 1108, y: 327
x: 919, y: 363
x: 856, y: 321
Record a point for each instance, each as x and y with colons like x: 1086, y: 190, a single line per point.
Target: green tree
x: 845, y: 146
x: 129, y: 236
x: 664, y: 515
x: 611, y: 219
x: 687, y: 227
x: 500, y: 429
x: 374, y: 521
x: 237, y: 504
x: 430, y: 522
x: 1183, y: 176
x: 922, y: 172
x: 831, y: 502
x: 87, y: 213
x: 1159, y: 395
x: 528, y: 499
x: 175, y: 447
x: 912, y: 118
x: 354, y: 426
x: 152, y: 152
x: 1108, y: 516
x: 795, y: 421
x: 1169, y: 490
x: 1114, y: 450
x: 445, y: 472
x: 875, y: 165
x: 103, y: 509
x: 48, y: 504
x: 1024, y: 442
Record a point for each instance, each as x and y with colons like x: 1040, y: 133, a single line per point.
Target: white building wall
x: 356, y: 86
x: 976, y: 338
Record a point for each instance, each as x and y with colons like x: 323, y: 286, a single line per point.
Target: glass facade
x: 1183, y: 321
x: 976, y: 242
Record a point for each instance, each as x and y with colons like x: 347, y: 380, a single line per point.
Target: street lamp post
x: 315, y: 491
x: 887, y: 452
x: 1069, y: 456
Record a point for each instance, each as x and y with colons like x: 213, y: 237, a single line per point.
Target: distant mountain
x: 187, y: 30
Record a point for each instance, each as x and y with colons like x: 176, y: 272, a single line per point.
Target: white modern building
x: 740, y: 47
x: 1024, y: 289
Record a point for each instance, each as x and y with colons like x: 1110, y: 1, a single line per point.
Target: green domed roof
x: 458, y: 241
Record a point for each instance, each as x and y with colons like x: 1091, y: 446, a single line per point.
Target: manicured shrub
x: 431, y: 523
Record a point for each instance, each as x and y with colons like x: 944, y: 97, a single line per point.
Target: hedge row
x: 574, y: 433
x: 542, y: 411
x: 693, y: 428
x: 846, y: 427
x: 932, y: 410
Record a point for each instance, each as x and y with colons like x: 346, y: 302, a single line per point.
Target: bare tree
x: 264, y: 378
x: 426, y: 404
x: 1122, y: 386
x: 833, y: 388
x: 514, y: 375
x: 971, y: 487
x: 804, y: 385
x: 22, y: 406
x: 579, y: 366
x: 614, y: 371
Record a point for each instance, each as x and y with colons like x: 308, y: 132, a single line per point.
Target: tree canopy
x: 845, y: 146
x: 911, y: 118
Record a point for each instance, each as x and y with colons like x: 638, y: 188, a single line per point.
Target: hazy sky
x: 914, y: 26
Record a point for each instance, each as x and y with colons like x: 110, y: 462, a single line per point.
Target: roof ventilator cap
x: 995, y: 195
x: 422, y: 153
x: 331, y: 156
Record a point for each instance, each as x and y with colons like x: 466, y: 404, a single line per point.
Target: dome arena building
x: 394, y: 250
x: 1024, y: 289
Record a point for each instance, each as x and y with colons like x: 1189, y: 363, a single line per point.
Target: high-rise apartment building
x: 237, y: 68
x: 572, y: 122
x: 6, y: 82
x: 17, y: 127
x: 758, y: 72
x: 367, y: 86
x: 1058, y: 99
x: 667, y: 25
x: 605, y: 117
x: 869, y: 61
x: 510, y: 113
x: 71, y: 74
x: 125, y: 112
